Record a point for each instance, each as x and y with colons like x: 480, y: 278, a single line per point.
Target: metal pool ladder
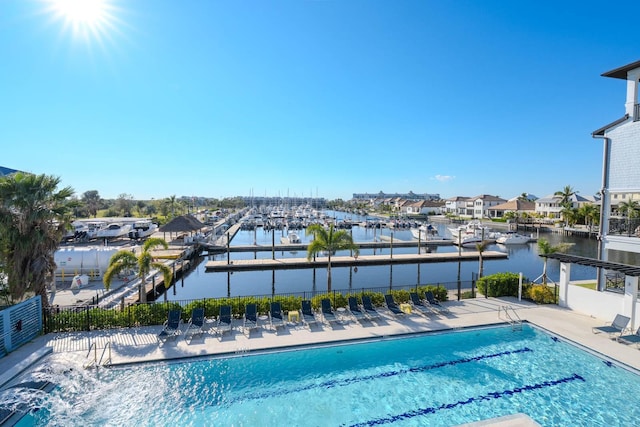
x: 98, y: 362
x: 511, y: 316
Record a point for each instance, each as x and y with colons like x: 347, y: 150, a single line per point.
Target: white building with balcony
x: 619, y: 236
x: 621, y: 171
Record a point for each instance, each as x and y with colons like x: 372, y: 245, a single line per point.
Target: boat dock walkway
x: 280, y: 247
x: 346, y: 261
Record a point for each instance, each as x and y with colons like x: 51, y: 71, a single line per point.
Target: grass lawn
x: 588, y: 285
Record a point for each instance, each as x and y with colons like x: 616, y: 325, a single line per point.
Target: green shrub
x: 499, y: 285
x: 541, y: 294
x: 439, y: 292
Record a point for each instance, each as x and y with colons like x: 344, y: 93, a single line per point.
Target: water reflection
x: 521, y: 258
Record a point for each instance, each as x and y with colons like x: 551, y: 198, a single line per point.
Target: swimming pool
x: 437, y: 379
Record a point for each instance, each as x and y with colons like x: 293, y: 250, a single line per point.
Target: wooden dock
x: 346, y: 261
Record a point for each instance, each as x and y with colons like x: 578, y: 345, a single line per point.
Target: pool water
x: 432, y: 379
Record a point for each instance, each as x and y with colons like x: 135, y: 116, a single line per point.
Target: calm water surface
x: 521, y: 258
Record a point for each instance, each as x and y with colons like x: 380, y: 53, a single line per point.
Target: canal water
x: 521, y: 259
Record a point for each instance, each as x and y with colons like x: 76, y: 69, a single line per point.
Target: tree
x: 329, y: 241
x: 570, y: 215
x: 565, y: 195
x: 480, y: 247
x: 124, y: 203
x: 544, y: 249
x: 92, y: 201
x: 590, y: 213
x: 172, y: 205
x: 125, y: 260
x: 629, y: 209
x: 34, y: 216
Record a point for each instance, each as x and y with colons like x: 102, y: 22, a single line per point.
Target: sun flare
x: 81, y: 12
x: 86, y: 19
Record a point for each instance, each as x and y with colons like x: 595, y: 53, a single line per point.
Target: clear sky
x: 210, y: 98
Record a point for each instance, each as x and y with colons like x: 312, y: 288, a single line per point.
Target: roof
x: 603, y: 129
x: 515, y: 205
x: 629, y: 270
x: 487, y: 198
x: 574, y: 198
x: 182, y: 223
x: 6, y: 171
x: 621, y: 72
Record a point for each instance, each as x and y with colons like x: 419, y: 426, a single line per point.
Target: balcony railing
x: 629, y: 227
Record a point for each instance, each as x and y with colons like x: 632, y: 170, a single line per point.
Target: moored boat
x: 424, y: 232
x: 512, y: 238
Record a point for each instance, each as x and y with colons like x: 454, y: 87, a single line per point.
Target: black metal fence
x: 629, y: 227
x: 91, y: 317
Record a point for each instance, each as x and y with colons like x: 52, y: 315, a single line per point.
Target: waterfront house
x: 456, y: 205
x: 549, y: 207
x: 423, y: 207
x: 483, y: 203
x: 520, y: 207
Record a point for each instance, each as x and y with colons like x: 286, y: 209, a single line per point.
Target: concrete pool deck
x: 136, y: 345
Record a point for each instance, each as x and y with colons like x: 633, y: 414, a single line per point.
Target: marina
x: 251, y: 262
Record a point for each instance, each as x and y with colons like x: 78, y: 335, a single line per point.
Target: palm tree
x: 329, y: 241
x: 569, y: 215
x: 34, y: 216
x: 629, y: 209
x: 565, y: 195
x: 544, y: 249
x: 480, y: 247
x: 127, y: 260
x: 590, y: 213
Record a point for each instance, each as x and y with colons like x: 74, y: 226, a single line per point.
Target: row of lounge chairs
x: 250, y: 320
x: 616, y: 329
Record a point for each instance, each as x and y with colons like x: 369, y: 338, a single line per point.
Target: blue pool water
x: 439, y: 379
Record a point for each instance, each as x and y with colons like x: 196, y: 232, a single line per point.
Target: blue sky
x: 223, y: 98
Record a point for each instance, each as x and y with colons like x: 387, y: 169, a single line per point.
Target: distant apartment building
x: 368, y: 197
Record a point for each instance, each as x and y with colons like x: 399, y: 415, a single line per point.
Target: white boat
x: 78, y: 230
x: 142, y: 229
x: 471, y: 233
x: 468, y: 240
x: 114, y: 230
x: 291, y: 239
x: 512, y: 238
x: 93, y: 228
x: 424, y: 232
